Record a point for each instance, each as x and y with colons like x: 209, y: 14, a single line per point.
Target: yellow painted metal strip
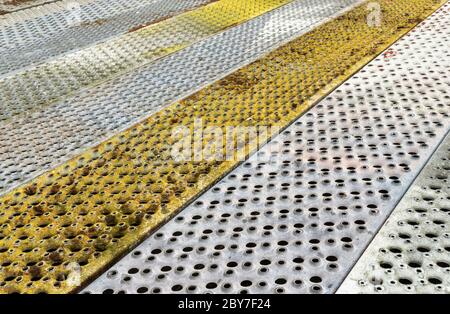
x: 68, y: 74
x: 94, y: 208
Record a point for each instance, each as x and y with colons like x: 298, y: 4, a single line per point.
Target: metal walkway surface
x: 32, y: 41
x: 297, y: 215
x: 122, y: 148
x: 411, y: 254
x: 9, y: 6
x: 65, y: 75
x: 33, y: 144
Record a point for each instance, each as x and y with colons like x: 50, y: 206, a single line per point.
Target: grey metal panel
x: 296, y: 216
x: 8, y: 6
x: 36, y: 11
x: 411, y: 253
x: 32, y: 41
x: 36, y: 142
x: 33, y: 87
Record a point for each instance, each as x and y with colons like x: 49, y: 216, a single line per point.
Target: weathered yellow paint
x: 215, y: 17
x: 94, y: 65
x: 96, y: 207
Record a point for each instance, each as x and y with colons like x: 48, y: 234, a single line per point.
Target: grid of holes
x: 296, y: 222
x: 32, y: 41
x: 65, y: 75
x: 92, y: 208
x: 36, y: 12
x: 411, y: 254
x: 38, y: 142
x: 8, y: 6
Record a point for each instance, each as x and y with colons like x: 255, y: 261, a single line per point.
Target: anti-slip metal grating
x: 411, y: 254
x: 8, y: 18
x: 37, y: 11
x: 41, y: 140
x: 92, y: 209
x: 65, y: 75
x: 296, y: 216
x: 32, y: 41
x: 8, y: 6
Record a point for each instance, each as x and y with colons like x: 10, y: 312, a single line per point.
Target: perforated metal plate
x: 38, y: 86
x: 31, y: 41
x: 94, y: 208
x: 31, y: 13
x: 8, y: 6
x: 43, y: 139
x: 296, y: 216
x: 411, y: 254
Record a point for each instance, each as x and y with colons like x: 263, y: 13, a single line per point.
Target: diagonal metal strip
x: 41, y: 140
x: 296, y: 216
x: 9, y: 6
x: 33, y: 41
x: 38, y: 86
x: 92, y: 209
x: 31, y: 13
x: 411, y: 253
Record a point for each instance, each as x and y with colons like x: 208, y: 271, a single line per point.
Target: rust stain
x: 17, y: 2
x: 138, y: 27
x: 96, y: 22
x: 414, y: 20
x: 238, y: 81
x: 389, y: 54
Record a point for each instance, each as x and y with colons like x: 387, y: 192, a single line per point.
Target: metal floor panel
x: 41, y: 140
x: 94, y: 208
x: 34, y: 12
x: 9, y: 6
x: 33, y: 41
x: 297, y: 215
x: 41, y: 85
x: 411, y: 253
